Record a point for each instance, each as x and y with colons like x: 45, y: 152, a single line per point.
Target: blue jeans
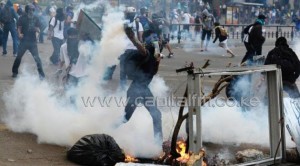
x: 123, y: 75
x: 32, y: 47
x: 56, y: 43
x: 207, y: 34
x: 139, y: 92
x: 10, y: 27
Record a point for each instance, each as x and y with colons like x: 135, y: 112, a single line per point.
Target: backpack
x: 6, y: 15
x: 223, y: 31
x: 246, y: 32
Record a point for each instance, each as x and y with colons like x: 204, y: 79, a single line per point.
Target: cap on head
x: 261, y: 16
x: 144, y: 10
x: 2, y: 2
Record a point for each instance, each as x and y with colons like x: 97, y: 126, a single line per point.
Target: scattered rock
x: 248, y: 155
x: 216, y: 160
x: 11, y: 160
x: 3, y: 127
x: 29, y: 151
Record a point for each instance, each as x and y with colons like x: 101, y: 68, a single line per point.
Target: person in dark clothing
x: 139, y: 91
x: 198, y: 26
x: 8, y: 18
x: 254, y: 39
x: 222, y: 35
x: 2, y: 4
x: 289, y: 63
x: 28, y: 26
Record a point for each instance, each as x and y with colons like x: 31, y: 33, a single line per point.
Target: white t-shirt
x: 133, y: 25
x: 56, y: 32
x: 186, y: 18
x: 79, y: 69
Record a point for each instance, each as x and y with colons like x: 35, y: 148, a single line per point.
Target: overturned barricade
x: 275, y: 107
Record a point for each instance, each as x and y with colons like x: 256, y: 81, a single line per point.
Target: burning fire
x: 130, y: 159
x: 187, y: 158
x: 181, y: 148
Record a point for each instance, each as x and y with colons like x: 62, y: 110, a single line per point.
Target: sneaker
x: 4, y: 53
x: 171, y: 55
x: 14, y: 75
x: 161, y: 56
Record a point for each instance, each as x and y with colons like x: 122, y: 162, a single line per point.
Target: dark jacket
x: 8, y: 14
x: 256, y: 39
x: 287, y: 59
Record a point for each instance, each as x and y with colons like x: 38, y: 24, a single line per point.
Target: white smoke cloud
x: 89, y: 7
x: 40, y: 108
x: 231, y: 125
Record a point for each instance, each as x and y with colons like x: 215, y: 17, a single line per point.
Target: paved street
x: 23, y: 148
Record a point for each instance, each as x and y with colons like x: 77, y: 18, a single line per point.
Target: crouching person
x: 140, y: 66
x: 283, y: 56
x: 74, y: 61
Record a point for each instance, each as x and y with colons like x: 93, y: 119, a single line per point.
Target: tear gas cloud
x: 37, y: 107
x: 90, y: 6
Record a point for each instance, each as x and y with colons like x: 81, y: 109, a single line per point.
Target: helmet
x: 144, y: 10
x: 130, y: 10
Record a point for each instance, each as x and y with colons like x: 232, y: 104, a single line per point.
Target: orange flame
x: 130, y: 159
x: 181, y: 148
x: 184, y: 157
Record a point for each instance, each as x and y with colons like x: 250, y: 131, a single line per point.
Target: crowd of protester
x: 147, y: 33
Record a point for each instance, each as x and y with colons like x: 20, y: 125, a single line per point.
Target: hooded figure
x: 208, y: 24
x: 289, y: 63
x: 8, y: 4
